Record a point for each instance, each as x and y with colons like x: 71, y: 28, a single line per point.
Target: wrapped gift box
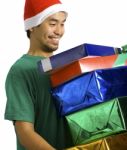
x: 100, y: 50
x: 98, y: 121
x: 75, y: 53
x: 90, y: 88
x: 114, y: 142
x: 124, y: 49
x: 86, y: 64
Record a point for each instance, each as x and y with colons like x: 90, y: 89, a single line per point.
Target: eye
x: 62, y: 24
x: 52, y: 24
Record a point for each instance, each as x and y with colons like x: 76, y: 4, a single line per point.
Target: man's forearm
x: 30, y: 139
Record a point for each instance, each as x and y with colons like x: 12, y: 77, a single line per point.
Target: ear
x: 31, y: 29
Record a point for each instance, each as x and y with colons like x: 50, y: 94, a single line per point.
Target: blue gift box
x: 100, y: 50
x: 68, y: 56
x: 90, y: 89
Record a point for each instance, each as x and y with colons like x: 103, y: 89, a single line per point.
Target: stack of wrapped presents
x: 89, y: 86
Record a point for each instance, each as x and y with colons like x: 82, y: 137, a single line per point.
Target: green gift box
x: 98, y: 121
x: 114, y: 142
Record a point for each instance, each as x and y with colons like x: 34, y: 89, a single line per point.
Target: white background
x: 101, y: 22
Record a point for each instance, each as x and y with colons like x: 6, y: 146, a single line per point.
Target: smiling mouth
x: 54, y: 40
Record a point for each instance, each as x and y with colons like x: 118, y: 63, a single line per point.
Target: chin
x: 53, y: 48
x: 50, y: 48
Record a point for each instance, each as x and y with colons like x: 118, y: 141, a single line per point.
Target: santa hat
x: 36, y: 11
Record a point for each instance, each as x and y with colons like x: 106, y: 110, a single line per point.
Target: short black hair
x: 28, y: 33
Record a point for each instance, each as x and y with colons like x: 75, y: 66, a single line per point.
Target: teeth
x: 56, y: 39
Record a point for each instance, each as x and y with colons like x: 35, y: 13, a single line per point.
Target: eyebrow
x: 56, y: 20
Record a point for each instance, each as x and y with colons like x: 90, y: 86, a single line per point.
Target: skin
x: 44, y: 40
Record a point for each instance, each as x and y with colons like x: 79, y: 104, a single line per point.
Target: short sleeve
x: 20, y: 105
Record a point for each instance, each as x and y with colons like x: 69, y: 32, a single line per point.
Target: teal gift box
x: 98, y: 121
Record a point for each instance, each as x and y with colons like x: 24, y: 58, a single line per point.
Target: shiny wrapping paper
x: 98, y: 121
x: 75, y: 53
x: 114, y: 142
x: 90, y: 89
x: 86, y: 64
x: 100, y: 50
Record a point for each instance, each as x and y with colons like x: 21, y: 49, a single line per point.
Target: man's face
x: 48, y: 34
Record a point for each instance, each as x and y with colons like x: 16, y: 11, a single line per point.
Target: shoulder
x: 17, y: 67
x: 18, y: 73
x: 23, y: 65
x: 19, y: 70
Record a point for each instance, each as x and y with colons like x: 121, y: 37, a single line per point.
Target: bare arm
x: 29, y: 138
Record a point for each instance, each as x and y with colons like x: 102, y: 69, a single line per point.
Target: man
x: 29, y: 103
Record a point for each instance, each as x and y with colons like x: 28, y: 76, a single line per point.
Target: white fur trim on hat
x: 39, y: 18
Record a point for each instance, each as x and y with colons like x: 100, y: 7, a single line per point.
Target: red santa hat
x: 36, y: 11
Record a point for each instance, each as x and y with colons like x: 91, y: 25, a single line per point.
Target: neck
x: 36, y: 49
x: 39, y: 53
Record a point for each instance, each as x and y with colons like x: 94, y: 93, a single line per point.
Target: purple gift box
x: 68, y: 56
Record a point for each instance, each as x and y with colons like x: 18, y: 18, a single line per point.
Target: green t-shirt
x: 29, y: 99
